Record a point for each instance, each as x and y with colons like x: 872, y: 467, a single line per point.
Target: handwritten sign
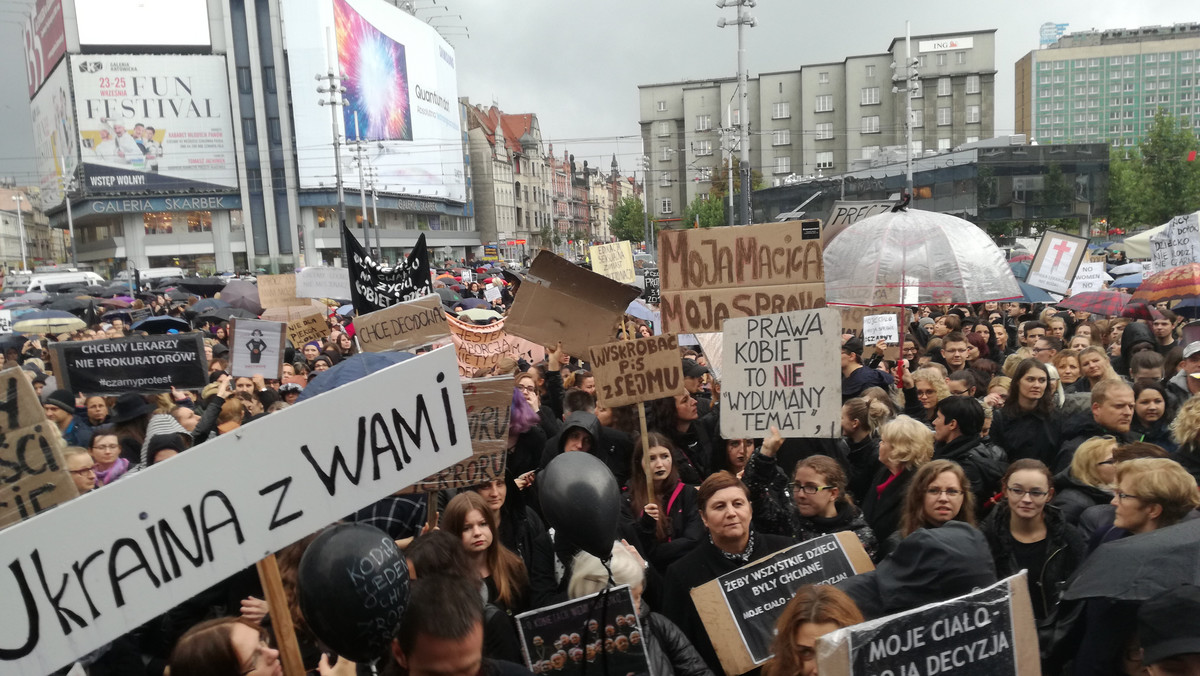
x: 880, y: 327
x: 1178, y: 244
x: 740, y: 608
x: 650, y: 288
x: 278, y: 291
x: 323, y: 282
x: 402, y: 326
x: 1056, y: 261
x: 481, y: 347
x: 489, y: 407
x: 1091, y: 277
x: 854, y: 320
x: 132, y: 364
x: 711, y: 275
x: 306, y: 329
x: 491, y: 293
x: 256, y: 348
x: 588, y: 636
x: 629, y: 371
x: 846, y: 214
x: 6, y: 321
x: 374, y: 287
x: 614, y: 261
x: 33, y: 475
x: 990, y: 631
x: 782, y: 371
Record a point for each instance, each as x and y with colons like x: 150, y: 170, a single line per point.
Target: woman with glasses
x: 813, y: 504
x: 1026, y: 532
x: 904, y: 445
x: 815, y: 610
x: 227, y: 646
x: 1088, y: 481
x: 1152, y: 493
x: 106, y: 452
x: 922, y: 390
x: 939, y: 493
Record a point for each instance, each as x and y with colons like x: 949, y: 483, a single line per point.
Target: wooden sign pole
x: 431, y: 512
x: 650, y: 496
x: 281, y: 617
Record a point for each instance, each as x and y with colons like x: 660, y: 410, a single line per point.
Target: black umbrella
x: 242, y: 294
x: 178, y: 295
x: 69, y: 304
x: 202, y: 286
x: 117, y: 314
x: 162, y: 324
x: 1141, y: 567
x: 224, y: 314
x: 12, y: 341
x: 207, y: 304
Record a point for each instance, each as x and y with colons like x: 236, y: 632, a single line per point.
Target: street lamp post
x: 21, y: 229
x: 66, y: 186
x: 743, y: 19
x: 335, y: 90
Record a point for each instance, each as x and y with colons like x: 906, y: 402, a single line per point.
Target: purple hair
x: 522, y: 416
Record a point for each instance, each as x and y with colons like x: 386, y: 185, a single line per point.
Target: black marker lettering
x: 282, y: 485
x: 209, y: 530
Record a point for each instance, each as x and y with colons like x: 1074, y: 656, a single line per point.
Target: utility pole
x: 362, y: 185
x: 743, y: 19
x: 647, y: 231
x: 335, y: 90
x: 21, y: 229
x: 727, y: 145
x: 372, y: 175
x: 66, y: 186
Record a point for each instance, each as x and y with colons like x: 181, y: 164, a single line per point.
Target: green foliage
x: 1155, y: 182
x: 720, y: 180
x: 710, y: 211
x: 628, y: 220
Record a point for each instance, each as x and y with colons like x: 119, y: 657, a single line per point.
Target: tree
x: 710, y: 211
x: 628, y: 220
x: 720, y: 180
x: 1153, y: 183
x: 1126, y: 190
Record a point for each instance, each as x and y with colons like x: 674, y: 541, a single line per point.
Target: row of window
x: 1159, y: 57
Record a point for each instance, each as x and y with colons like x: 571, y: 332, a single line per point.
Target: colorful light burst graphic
x: 376, y: 78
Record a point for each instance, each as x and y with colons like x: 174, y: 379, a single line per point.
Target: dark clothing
x: 1157, y: 433
x: 775, y: 511
x: 983, y: 463
x: 686, y: 528
x: 864, y: 463
x: 1076, y: 430
x: 861, y: 379
x: 526, y: 454
x: 794, y: 450
x: 913, y: 407
x: 500, y: 640
x: 668, y: 650
x: 1025, y: 434
x: 1063, y: 552
x: 696, y: 444
x: 609, y: 445
x: 704, y: 563
x: 882, y: 510
x: 519, y: 527
x: 1134, y: 333
x: 400, y: 516
x: 1072, y: 496
x: 1188, y: 456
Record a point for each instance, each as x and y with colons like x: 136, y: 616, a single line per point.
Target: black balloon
x: 353, y: 587
x: 580, y: 499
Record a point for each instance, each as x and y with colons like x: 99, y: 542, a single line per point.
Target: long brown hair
x: 812, y: 603
x: 913, y: 518
x: 508, y: 571
x: 637, y: 484
x: 207, y: 649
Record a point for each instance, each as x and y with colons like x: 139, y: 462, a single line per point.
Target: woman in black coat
x: 1026, y: 427
x: 668, y: 522
x: 904, y: 445
x: 1088, y: 481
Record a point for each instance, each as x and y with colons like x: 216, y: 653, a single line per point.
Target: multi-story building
x: 818, y: 118
x: 43, y: 246
x: 1106, y: 86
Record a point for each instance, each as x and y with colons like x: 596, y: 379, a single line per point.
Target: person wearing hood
x: 813, y: 504
x: 582, y: 431
x: 957, y: 424
x: 931, y: 565
x: 1136, y: 337
x: 1088, y: 481
x: 1111, y: 415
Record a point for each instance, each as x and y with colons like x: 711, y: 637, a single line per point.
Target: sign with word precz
x: 741, y: 607
x: 131, y: 364
x: 782, y: 371
x: 629, y: 371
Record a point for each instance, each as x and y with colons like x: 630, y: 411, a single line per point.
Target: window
x: 781, y: 110
x: 921, y: 61
x: 869, y: 96
x: 1092, y: 77
x: 1130, y: 59
x: 944, y: 116
x: 824, y: 131
x: 735, y: 117
x: 702, y: 148
x: 1150, y: 58
x: 972, y: 139
x: 918, y: 91
x: 249, y: 132
x: 664, y: 128
x: 273, y: 131
x: 1044, y: 107
x: 1080, y: 77
x: 870, y: 124
x: 870, y: 152
x: 1044, y: 65
x: 1080, y: 117
x: 1060, y: 79
x: 664, y: 205
x: 823, y: 77
x: 703, y: 122
x: 662, y: 106
x: 1043, y: 93
x: 918, y: 147
x: 1185, y: 55
x: 870, y: 71
x: 972, y: 114
x: 783, y: 165
x: 943, y: 86
x: 1044, y: 80
x: 781, y: 137
x: 1114, y: 61
x: 972, y: 84
x: 941, y: 59
x: 269, y: 79
x: 943, y: 145
x: 1115, y: 75
x: 664, y: 179
x: 960, y: 58
x: 918, y: 118
x: 1060, y: 65
x: 666, y: 154
x: 244, y: 80
x: 1080, y: 63
x: 1114, y: 89
x: 824, y: 103
x: 825, y: 160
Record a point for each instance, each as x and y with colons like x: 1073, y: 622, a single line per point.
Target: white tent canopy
x: 1138, y: 246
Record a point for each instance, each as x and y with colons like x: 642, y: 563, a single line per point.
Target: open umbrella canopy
x: 206, y: 304
x: 1103, y: 303
x: 224, y: 314
x: 163, y: 324
x: 915, y: 257
x: 1032, y: 294
x: 350, y: 369
x: 68, y: 304
x: 48, y: 321
x: 36, y: 298
x: 114, y: 303
x: 447, y: 295
x: 472, y: 303
x: 1141, y: 567
x: 1137, y: 309
x: 1174, y: 284
x: 202, y: 286
x: 242, y: 294
x: 1126, y: 282
x: 1126, y: 269
x: 480, y: 315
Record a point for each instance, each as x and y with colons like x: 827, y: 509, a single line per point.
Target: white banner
x: 323, y: 283
x: 1178, y: 245
x: 92, y: 569
x: 1091, y: 277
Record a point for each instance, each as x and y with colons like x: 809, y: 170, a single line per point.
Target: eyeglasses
x: 809, y: 489
x: 1042, y: 349
x: 81, y: 472
x: 1021, y: 492
x: 949, y: 492
x: 106, y: 447
x: 1125, y: 496
x: 528, y: 389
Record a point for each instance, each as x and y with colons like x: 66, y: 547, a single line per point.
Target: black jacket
x: 611, y: 446
x: 864, y: 463
x: 1189, y: 457
x: 1072, y: 496
x: 1065, y: 550
x: 1025, y: 435
x: 668, y: 650
x: 983, y: 463
x: 883, y: 512
x: 1158, y: 433
x: 686, y: 528
x: 1134, y: 333
x: 1076, y: 430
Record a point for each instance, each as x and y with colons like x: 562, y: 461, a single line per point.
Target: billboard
x: 142, y: 23
x: 54, y: 138
x: 400, y: 82
x: 45, y: 39
x: 154, y: 123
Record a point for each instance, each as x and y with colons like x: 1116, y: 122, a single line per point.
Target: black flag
x: 373, y: 288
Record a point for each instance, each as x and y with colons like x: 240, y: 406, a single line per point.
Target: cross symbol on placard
x: 1062, y: 248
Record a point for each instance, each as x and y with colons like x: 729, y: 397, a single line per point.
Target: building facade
x: 1107, y: 86
x: 818, y: 119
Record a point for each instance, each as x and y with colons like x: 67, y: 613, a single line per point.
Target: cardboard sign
x: 132, y: 364
x: 1178, y: 244
x: 278, y: 291
x: 846, y: 214
x: 373, y: 287
x: 854, y: 320
x: 1056, y: 261
x: 256, y: 348
x: 596, y: 635
x: 1091, y: 277
x: 629, y: 371
x: 323, y: 282
x: 740, y: 608
x: 560, y: 301
x: 713, y: 346
x: 6, y: 321
x: 307, y: 329
x: 179, y: 527
x: 491, y: 293
x: 782, y: 371
x: 33, y: 474
x: 650, y: 286
x: 481, y: 347
x: 614, y: 261
x: 489, y: 407
x: 713, y: 274
x: 990, y: 632
x: 402, y: 326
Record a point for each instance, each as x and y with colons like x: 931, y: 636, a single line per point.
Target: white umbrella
x: 1126, y: 269
x: 915, y: 257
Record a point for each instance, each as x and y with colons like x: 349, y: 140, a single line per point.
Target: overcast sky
x: 577, y: 63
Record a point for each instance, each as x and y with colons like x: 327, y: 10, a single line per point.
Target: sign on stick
x: 629, y: 371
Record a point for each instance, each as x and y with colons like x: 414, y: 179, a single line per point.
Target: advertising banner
x: 142, y: 23
x: 56, y: 144
x: 406, y: 101
x: 45, y: 38
x: 154, y: 123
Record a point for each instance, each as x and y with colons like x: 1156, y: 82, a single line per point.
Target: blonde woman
x: 1186, y: 431
x: 1094, y: 366
x: 905, y: 444
x: 923, y: 389
x: 1088, y: 481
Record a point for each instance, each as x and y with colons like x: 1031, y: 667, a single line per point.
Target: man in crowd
x: 855, y: 376
x: 1186, y: 383
x: 954, y: 351
x: 1111, y: 414
x: 82, y: 468
x: 956, y: 428
x: 1030, y: 332
x: 1164, y: 331
x: 1045, y: 348
x: 60, y: 410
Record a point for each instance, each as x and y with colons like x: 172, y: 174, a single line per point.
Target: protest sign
x: 1056, y: 261
x: 740, y: 608
x: 33, y: 474
x: 278, y: 291
x: 1147, y: 268
x: 783, y: 371
x: 5, y: 321
x: 481, y: 347
x: 560, y: 301
x: 629, y: 371
x: 614, y: 261
x: 307, y: 328
x: 135, y: 363
x: 1177, y: 244
x: 1091, y: 277
x: 468, y: 276
x: 136, y: 316
x: 256, y: 348
x: 179, y: 527
x: 990, y: 631
x: 854, y: 319
x: 712, y: 344
x: 372, y: 287
x: 650, y: 287
x: 491, y: 293
x: 402, y: 326
x: 710, y: 275
x: 880, y: 327
x: 321, y: 282
x: 846, y: 214
x: 489, y: 406
x: 595, y: 635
